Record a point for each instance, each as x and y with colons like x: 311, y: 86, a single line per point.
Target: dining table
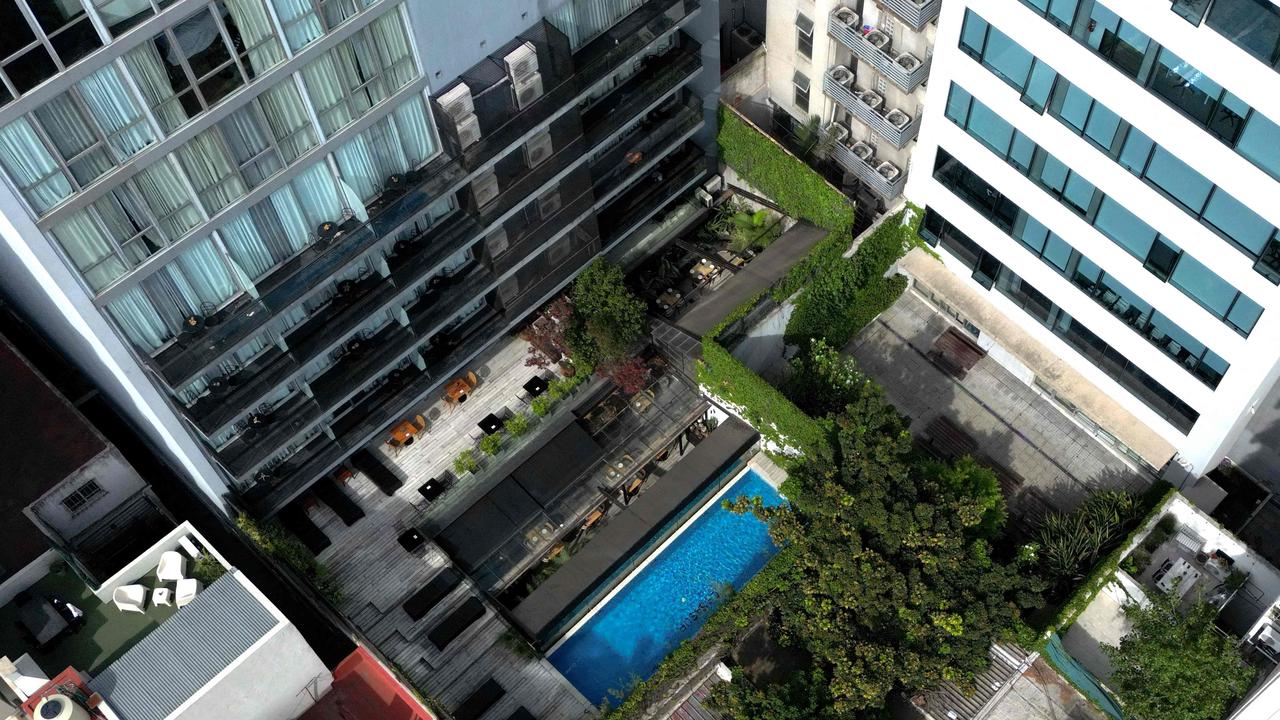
x: 1181, y: 575
x: 490, y: 424
x: 535, y: 386
x: 457, y: 390
x: 432, y: 489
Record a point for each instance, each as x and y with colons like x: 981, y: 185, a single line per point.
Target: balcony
x: 902, y: 69
x: 394, y: 398
x: 884, y: 178
x: 650, y: 139
x: 284, y: 287
x: 894, y: 125
x: 680, y: 170
x: 914, y: 14
x: 660, y: 76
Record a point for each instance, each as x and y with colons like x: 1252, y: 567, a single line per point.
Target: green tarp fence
x: 1081, y: 678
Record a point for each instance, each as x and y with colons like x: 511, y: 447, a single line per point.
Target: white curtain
x: 251, y: 18
x: 247, y: 140
x: 324, y: 78
x: 415, y: 131
x: 112, y: 106
x: 139, y: 320
x: 359, y: 168
x: 287, y: 116
x: 89, y: 249
x: 31, y: 167
x: 393, y: 50
x: 216, y: 179
x: 71, y: 136
x: 583, y: 20
x: 318, y: 195
x: 294, y: 225
x: 200, y: 276
x: 148, y: 71
x: 246, y: 247
x: 167, y: 199
x: 301, y: 24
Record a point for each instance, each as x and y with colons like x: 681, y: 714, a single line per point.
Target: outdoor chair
x: 186, y: 591
x: 129, y: 598
x: 172, y: 567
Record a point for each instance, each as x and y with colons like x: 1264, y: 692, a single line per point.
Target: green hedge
x: 736, y: 314
x: 845, y: 294
x: 1153, y: 499
x: 794, y: 186
x: 724, y: 626
x: 762, y: 405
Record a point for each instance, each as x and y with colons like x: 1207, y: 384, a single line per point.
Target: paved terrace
x: 1053, y: 461
x: 377, y: 574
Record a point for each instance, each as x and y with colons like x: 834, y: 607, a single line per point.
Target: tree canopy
x: 608, y: 318
x: 894, y: 583
x: 1174, y: 665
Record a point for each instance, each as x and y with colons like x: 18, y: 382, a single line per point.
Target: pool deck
x: 629, y: 529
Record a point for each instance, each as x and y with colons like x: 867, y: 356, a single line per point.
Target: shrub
x: 466, y: 462
x: 1071, y: 543
x: 280, y: 544
x: 517, y: 425
x: 841, y: 295
x: 761, y: 404
x: 207, y: 569
x: 542, y: 405
x: 491, y: 445
x: 613, y: 318
x: 799, y: 190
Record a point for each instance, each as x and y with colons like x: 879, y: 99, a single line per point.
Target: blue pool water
x: 667, y: 601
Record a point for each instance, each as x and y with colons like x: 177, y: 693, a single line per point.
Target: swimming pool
x: 666, y: 601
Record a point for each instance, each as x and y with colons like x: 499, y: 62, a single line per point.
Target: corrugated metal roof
x: 181, y: 656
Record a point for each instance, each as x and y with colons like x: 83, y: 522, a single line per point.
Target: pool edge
x: 709, y: 502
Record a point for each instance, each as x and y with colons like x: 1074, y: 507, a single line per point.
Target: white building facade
x: 1106, y: 171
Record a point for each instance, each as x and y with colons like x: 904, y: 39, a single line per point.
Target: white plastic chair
x: 172, y: 567
x: 129, y: 598
x: 186, y: 591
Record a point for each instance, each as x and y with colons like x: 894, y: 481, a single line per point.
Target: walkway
x: 760, y: 274
x: 1057, y: 461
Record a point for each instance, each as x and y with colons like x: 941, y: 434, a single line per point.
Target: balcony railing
x: 279, y: 291
x: 684, y: 168
x: 914, y: 14
x: 884, y: 179
x: 894, y: 125
x: 902, y: 69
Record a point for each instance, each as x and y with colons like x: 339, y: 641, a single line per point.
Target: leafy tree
x: 822, y: 381
x: 1174, y: 665
x: 630, y: 375
x: 894, y: 584
x: 606, y: 313
x: 546, y: 334
x: 801, y: 697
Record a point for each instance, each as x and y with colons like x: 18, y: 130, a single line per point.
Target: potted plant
x: 466, y: 462
x: 517, y: 425
x: 491, y: 445
x: 567, y: 369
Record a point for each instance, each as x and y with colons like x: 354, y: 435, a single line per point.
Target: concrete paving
x: 1058, y: 461
x: 1040, y: 693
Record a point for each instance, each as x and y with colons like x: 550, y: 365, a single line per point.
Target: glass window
x: 1260, y: 143
x: 1117, y: 40
x: 1137, y: 148
x: 1238, y: 222
x: 1244, y: 314
x: 1022, y: 151
x: 801, y: 84
x: 1253, y: 25
x: 1058, y: 253
x: 1162, y: 258
x: 1125, y: 228
x: 990, y: 128
x: 1178, y: 180
x: 1053, y: 173
x: 1072, y: 106
x: 973, y: 35
x: 804, y: 35
x: 1007, y: 58
x: 1203, y: 285
x: 68, y: 28
x: 1185, y: 87
x: 1039, y: 85
x: 1102, y: 126
x: 120, y: 15
x: 360, y: 73
x: 958, y: 104
x: 1030, y: 232
x: 1078, y: 193
x: 1063, y: 11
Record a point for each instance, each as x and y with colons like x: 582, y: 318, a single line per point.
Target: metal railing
x: 882, y: 124
x: 907, y: 72
x: 871, y: 171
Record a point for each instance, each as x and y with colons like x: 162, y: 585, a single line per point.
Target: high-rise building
x: 859, y: 68
x: 267, y: 228
x: 1104, y: 171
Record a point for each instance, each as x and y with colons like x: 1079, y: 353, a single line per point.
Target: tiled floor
x: 1012, y: 423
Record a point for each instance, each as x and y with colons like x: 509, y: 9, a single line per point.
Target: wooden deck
x: 377, y: 574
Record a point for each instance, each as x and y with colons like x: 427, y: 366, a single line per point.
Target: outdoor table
x: 536, y: 386
x: 668, y: 299
x: 42, y: 620
x: 1183, y: 573
x: 490, y: 424
x: 432, y: 489
x: 457, y: 390
x: 404, y: 433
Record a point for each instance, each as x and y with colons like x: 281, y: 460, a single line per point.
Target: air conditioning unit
x: 704, y: 197
x: 457, y: 102
x: 485, y: 188
x: 521, y: 63
x: 528, y: 91
x: 713, y: 184
x: 549, y: 204
x: 468, y: 131
x: 497, y: 243
x: 537, y: 150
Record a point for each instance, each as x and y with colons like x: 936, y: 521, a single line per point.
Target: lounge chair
x: 173, y: 567
x: 129, y: 598
x: 186, y: 591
